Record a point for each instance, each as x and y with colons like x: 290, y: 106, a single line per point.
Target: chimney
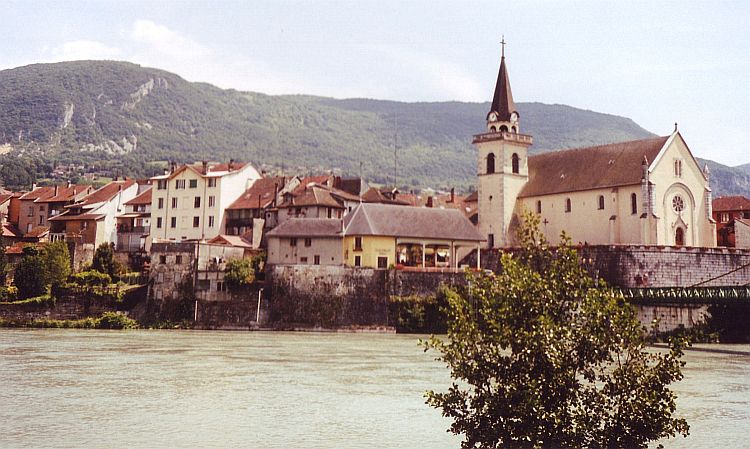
x: 231, y: 163
x: 33, y: 186
x: 429, y: 201
x: 117, y: 178
x: 205, y: 166
x: 56, y: 189
x: 69, y: 183
x: 453, y: 194
x: 172, y: 167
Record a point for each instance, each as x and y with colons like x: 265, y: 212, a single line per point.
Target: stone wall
x: 80, y: 254
x: 654, y: 266
x: 671, y: 317
x: 336, y: 296
x: 65, y: 308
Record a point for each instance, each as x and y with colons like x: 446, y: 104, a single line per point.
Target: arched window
x: 515, y: 160
x: 503, y: 129
x: 513, y: 129
x: 539, y: 207
x: 601, y: 202
x: 633, y: 203
x: 491, y: 163
x: 568, y: 205
x: 679, y: 237
x: 493, y: 129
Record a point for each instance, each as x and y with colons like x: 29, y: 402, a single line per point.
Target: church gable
x: 598, y: 167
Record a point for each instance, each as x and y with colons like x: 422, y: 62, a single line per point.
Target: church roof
x: 617, y: 164
x: 502, y: 101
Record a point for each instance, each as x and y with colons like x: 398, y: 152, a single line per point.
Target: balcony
x: 127, y: 229
x: 503, y: 135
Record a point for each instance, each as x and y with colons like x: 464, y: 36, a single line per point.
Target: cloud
x: 162, y: 41
x: 84, y: 49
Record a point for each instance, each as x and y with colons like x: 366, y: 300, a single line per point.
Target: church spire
x: 502, y: 101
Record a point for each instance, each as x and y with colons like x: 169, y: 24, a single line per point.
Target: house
x: 316, y: 201
x: 42, y: 203
x: 313, y: 241
x: 92, y: 219
x: 252, y: 206
x: 189, y: 202
x: 644, y: 192
x: 134, y: 222
x: 382, y: 235
x: 726, y: 211
x: 742, y: 232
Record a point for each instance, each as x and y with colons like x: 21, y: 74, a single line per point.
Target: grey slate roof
x: 308, y: 227
x: 406, y: 221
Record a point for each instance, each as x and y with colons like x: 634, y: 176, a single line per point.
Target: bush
x: 56, y: 262
x: 418, y: 314
x: 8, y: 294
x: 30, y: 274
x: 114, y: 320
x: 239, y: 274
x: 91, y: 278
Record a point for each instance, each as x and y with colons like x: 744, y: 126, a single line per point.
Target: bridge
x: 687, y: 295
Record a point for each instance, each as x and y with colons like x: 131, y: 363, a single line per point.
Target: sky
x: 655, y: 62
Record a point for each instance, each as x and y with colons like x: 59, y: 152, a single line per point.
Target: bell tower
x: 502, y: 166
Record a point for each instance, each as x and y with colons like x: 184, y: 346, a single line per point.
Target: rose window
x: 678, y: 204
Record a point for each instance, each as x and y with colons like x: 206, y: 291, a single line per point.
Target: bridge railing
x: 687, y: 295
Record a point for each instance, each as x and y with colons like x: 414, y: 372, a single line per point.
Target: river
x: 145, y: 389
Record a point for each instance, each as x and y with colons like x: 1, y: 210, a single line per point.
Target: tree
x: 104, y: 260
x: 239, y: 273
x: 30, y: 274
x: 57, y: 262
x: 543, y: 356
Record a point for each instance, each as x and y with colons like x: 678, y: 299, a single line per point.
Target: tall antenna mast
x: 395, y: 146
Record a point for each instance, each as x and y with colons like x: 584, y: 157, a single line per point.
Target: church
x: 642, y: 192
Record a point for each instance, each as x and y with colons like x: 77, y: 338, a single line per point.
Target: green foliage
x: 418, y: 314
x: 56, y: 262
x: 3, y: 265
x: 239, y: 274
x: 8, y: 294
x: 45, y: 300
x: 104, y: 260
x: 545, y: 357
x: 91, y: 278
x: 114, y: 320
x: 30, y: 274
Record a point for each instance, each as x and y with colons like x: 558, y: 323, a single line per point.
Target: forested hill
x: 118, y: 116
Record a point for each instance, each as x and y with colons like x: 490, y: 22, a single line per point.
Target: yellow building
x: 646, y: 192
x: 384, y: 235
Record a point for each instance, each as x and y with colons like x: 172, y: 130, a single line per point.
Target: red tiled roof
x: 66, y: 194
x: 5, y: 197
x: 232, y: 240
x: 106, y: 192
x: 612, y: 165
x: 39, y: 192
x: 143, y: 198
x: 730, y: 203
x: 315, y: 196
x: 38, y: 231
x: 78, y: 217
x: 308, y: 227
x: 260, y: 194
x: 304, y: 182
x: 10, y: 231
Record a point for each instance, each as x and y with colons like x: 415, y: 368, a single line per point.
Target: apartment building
x: 42, y: 203
x: 189, y: 201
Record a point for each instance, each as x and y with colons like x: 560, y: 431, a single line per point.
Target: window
x: 303, y: 259
x: 212, y: 182
x: 161, y: 184
x: 179, y: 183
x: 357, y: 261
x: 746, y: 215
x: 490, y: 240
x: 174, y: 203
x: 211, y: 201
x: 178, y: 259
x: 382, y: 262
x: 31, y: 212
x: 197, y: 202
x: 210, y: 221
x: 158, y: 222
x: 41, y: 219
x: 41, y: 208
x: 161, y: 203
x: 515, y: 161
x: 601, y: 202
x: 357, y: 243
x: 503, y: 129
x: 193, y: 183
x: 173, y: 222
x: 539, y: 207
x: 162, y: 259
x: 490, y: 163
x: 725, y: 217
x: 568, y: 205
x: 633, y: 203
x: 316, y: 260
x: 308, y: 242
x: 678, y: 168
x: 293, y: 241
x: 85, y: 225
x: 196, y: 222
x: 220, y: 286
x: 330, y: 212
x: 678, y: 204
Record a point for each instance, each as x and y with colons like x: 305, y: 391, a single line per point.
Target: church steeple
x: 503, y: 109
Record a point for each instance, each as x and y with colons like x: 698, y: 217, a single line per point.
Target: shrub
x: 114, y: 320
x: 239, y: 274
x: 30, y: 274
x: 91, y: 278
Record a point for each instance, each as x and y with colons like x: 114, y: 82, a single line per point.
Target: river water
x: 144, y: 389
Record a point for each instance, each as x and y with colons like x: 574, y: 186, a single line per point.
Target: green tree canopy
x: 104, y: 260
x: 239, y: 273
x: 57, y: 262
x: 30, y: 274
x: 542, y: 356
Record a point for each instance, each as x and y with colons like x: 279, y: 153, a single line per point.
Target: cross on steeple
x: 502, y: 42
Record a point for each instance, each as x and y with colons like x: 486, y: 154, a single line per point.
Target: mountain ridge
x: 118, y: 116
